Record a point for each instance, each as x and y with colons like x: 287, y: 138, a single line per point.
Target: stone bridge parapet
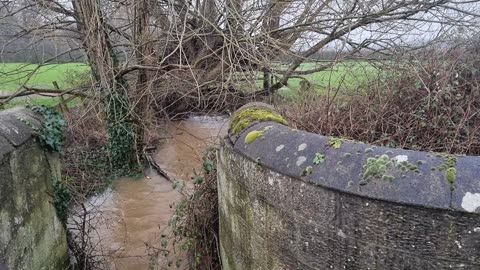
x: 290, y: 199
x: 31, y: 235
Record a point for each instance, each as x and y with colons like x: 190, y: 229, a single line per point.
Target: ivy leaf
x: 319, y: 158
x: 208, y: 166
x: 197, y: 179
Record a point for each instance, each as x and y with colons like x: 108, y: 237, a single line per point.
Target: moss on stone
x: 451, y: 171
x: 335, y: 142
x: 377, y: 167
x: 387, y: 177
x: 450, y: 162
x: 368, y: 150
x: 253, y: 136
x: 308, y: 170
x: 451, y: 175
x: 319, y: 158
x: 245, y: 118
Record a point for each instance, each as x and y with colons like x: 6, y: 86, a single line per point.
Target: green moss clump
x: 451, y: 175
x: 319, y: 158
x: 450, y: 162
x: 387, y: 177
x: 335, y: 142
x: 412, y: 167
x: 253, y: 136
x: 377, y: 167
x: 245, y: 118
x: 308, y: 170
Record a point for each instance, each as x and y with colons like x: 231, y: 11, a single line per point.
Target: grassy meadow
x: 14, y: 75
x: 346, y: 75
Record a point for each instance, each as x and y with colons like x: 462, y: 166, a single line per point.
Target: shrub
x: 195, y: 221
x: 431, y: 103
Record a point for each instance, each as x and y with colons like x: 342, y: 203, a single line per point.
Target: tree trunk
x: 104, y: 64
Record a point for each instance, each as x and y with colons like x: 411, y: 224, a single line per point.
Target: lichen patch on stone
x: 341, y: 234
x: 302, y: 147
x: 279, y: 148
x: 401, y: 158
x: 301, y: 160
x: 471, y: 201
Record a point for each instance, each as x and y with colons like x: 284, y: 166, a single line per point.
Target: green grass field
x: 346, y: 75
x: 14, y: 75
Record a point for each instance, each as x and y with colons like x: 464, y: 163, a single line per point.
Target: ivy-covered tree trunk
x: 114, y: 90
x: 145, y: 56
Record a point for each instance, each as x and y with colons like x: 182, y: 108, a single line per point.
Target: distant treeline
x: 30, y: 50
x: 334, y: 55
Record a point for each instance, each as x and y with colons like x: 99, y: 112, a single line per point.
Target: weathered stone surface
x: 31, y: 236
x: 342, y: 168
x: 5, y: 147
x: 274, y: 214
x: 16, y: 125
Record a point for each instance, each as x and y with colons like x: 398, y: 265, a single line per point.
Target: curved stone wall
x: 31, y: 236
x: 294, y: 200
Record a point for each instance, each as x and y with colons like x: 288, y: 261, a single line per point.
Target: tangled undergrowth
x: 86, y: 171
x: 195, y: 222
x: 429, y: 105
x: 86, y: 158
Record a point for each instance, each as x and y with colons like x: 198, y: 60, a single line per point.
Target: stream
x: 135, y: 212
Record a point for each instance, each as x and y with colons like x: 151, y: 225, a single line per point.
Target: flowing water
x: 135, y: 212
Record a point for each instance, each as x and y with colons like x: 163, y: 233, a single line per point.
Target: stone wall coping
x: 16, y: 127
x: 417, y: 178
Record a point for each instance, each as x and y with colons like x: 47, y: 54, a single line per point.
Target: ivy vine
x: 61, y: 200
x: 51, y: 135
x: 122, y: 138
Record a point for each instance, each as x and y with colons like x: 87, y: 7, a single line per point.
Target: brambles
x: 426, y: 104
x: 195, y: 221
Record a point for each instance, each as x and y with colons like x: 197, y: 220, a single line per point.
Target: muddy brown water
x: 135, y: 212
